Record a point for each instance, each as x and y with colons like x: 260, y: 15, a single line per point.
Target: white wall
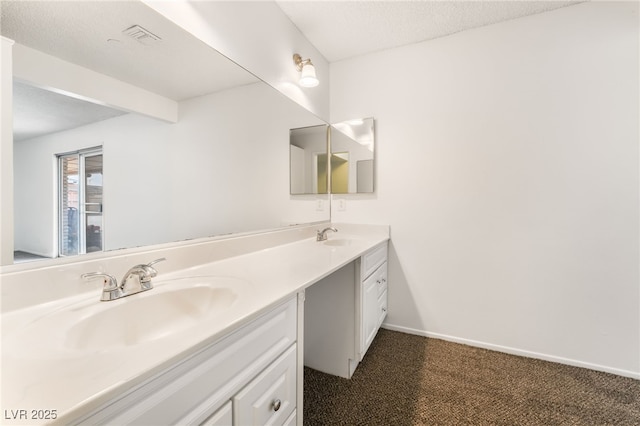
x: 507, y: 167
x: 223, y: 168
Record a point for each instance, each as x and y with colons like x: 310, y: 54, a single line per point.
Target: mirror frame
x: 365, y: 140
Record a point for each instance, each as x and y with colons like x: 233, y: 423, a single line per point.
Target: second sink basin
x: 342, y: 241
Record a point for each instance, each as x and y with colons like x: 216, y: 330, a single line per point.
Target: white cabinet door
x: 382, y: 293
x: 374, y: 306
x: 369, y: 312
x: 381, y: 279
x: 382, y: 308
x: 271, y: 397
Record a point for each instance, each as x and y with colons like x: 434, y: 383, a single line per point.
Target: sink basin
x: 147, y: 318
x: 171, y: 307
x: 339, y: 242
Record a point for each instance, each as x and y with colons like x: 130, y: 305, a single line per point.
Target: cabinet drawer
x: 373, y: 259
x: 271, y: 397
x: 369, y: 313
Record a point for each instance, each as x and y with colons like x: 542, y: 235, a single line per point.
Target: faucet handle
x: 153, y: 262
x: 111, y: 289
x: 110, y: 282
x: 150, y: 271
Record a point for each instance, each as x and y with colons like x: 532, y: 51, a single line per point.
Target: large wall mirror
x: 351, y: 166
x: 219, y: 168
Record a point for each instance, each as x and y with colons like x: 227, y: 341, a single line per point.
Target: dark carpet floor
x: 412, y: 380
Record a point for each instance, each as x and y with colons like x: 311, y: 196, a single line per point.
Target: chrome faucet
x: 322, y: 235
x: 141, y: 276
x: 137, y: 279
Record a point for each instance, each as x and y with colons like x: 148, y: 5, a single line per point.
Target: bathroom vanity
x: 220, y: 339
x: 352, y: 303
x: 244, y: 378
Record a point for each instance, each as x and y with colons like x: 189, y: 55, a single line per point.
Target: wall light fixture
x: 307, y: 71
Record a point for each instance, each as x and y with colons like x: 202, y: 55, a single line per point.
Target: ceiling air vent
x: 142, y: 35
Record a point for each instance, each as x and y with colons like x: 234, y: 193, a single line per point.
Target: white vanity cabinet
x: 248, y: 377
x: 373, y: 295
x: 343, y: 313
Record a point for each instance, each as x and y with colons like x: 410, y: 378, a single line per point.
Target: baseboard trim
x: 514, y: 351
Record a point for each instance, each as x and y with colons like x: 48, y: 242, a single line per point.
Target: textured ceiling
x: 344, y: 29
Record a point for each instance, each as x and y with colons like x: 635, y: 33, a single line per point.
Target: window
x: 80, y: 202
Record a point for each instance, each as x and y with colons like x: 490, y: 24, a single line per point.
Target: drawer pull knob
x: 277, y: 404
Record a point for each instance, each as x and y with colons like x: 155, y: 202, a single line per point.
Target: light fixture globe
x: 308, y: 71
x: 308, y: 77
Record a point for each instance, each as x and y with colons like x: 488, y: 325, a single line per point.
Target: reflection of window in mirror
x: 80, y: 202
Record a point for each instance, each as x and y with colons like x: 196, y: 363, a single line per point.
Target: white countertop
x: 38, y: 373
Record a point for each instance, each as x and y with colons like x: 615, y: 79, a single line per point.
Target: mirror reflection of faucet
x: 322, y: 235
x: 136, y: 280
